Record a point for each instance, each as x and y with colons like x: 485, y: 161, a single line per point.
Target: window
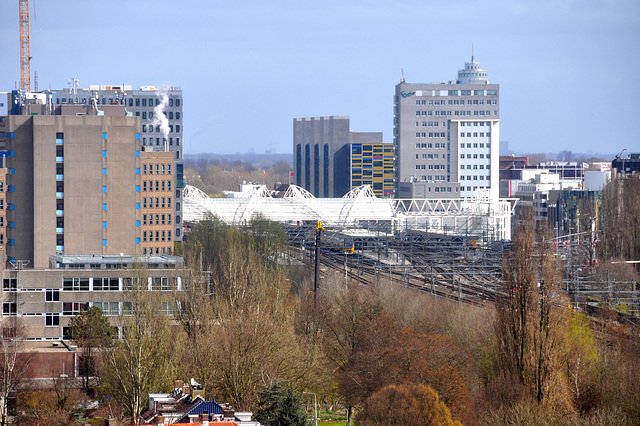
x: 129, y: 283
x: 75, y: 284
x: 106, y: 284
x: 108, y: 308
x: 160, y: 283
x: 74, y: 308
x: 167, y: 308
x: 52, y: 319
x: 52, y: 295
x: 10, y: 284
x: 10, y: 308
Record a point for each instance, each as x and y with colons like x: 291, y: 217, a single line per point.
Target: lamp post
x: 315, y: 407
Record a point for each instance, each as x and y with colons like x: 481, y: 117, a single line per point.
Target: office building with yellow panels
x: 372, y: 164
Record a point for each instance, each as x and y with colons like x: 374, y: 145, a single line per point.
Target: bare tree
x: 529, y: 308
x: 140, y: 362
x: 13, y: 366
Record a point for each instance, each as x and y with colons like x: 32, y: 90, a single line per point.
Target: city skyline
x: 247, y: 69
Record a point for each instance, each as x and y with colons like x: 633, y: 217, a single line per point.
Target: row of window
x: 166, y: 235
x: 430, y: 156
x: 431, y: 135
x: 475, y: 134
x: 157, y: 250
x: 160, y: 169
x: 431, y: 178
x: 150, y: 142
x: 160, y: 185
x: 469, y: 188
x: 457, y: 102
x: 474, y: 123
x: 475, y: 177
x: 112, y: 284
x: 430, y: 145
x: 149, y: 128
x: 456, y: 113
x: 160, y: 219
x: 159, y: 203
x: 150, y: 115
x: 475, y: 145
x: 431, y: 167
x: 475, y: 156
x: 475, y: 166
x: 431, y: 124
x: 152, y: 101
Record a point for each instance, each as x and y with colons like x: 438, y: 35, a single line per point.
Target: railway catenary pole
x: 319, y: 231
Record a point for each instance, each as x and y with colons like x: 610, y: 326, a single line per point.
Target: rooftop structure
x: 358, y: 207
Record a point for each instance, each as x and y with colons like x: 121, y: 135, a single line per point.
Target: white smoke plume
x: 159, y: 118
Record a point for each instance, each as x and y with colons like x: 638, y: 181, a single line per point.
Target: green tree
x: 91, y: 330
x: 281, y: 405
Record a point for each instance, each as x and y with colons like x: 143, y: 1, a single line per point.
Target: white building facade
x: 447, y: 136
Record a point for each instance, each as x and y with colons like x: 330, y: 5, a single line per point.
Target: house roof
x: 210, y: 407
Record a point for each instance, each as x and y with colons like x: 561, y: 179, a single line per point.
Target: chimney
x: 186, y: 389
x: 177, y: 384
x: 204, y: 417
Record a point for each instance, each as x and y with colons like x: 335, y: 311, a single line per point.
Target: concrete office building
x: 73, y: 183
x: 145, y: 103
x: 322, y: 155
x: 43, y: 301
x: 446, y: 136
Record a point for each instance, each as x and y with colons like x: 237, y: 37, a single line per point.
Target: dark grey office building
x: 321, y: 154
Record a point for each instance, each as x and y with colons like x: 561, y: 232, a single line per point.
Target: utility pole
x: 319, y: 231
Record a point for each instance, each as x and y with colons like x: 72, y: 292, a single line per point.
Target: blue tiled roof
x: 210, y: 407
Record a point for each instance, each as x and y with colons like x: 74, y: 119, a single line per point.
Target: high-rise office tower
x: 160, y: 113
x: 75, y: 184
x: 446, y: 136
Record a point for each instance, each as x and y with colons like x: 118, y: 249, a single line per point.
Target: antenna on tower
x: 403, y: 80
x: 471, y: 52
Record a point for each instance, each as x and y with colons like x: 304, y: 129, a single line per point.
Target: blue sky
x: 567, y: 69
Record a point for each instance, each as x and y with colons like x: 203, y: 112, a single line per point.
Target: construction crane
x: 25, y: 58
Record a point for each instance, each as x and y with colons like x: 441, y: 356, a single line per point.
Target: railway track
x: 441, y: 277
